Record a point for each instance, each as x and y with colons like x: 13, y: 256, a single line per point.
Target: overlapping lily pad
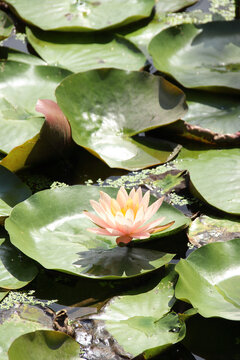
x: 200, y: 56
x: 106, y: 108
x: 12, y: 191
x: 209, y: 279
x: 82, y: 15
x: 6, y: 25
x: 15, y: 55
x: 208, y: 229
x: 145, y: 317
x: 218, y: 113
x: 16, y: 270
x: 44, y: 344
x: 3, y: 294
x: 221, y: 168
x: 51, y: 228
x: 83, y: 52
x: 22, y: 85
x: 14, y: 327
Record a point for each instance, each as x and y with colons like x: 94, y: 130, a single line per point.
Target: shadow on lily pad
x: 120, y: 261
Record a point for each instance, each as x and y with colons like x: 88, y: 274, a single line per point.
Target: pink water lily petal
x: 97, y: 220
x: 132, y: 193
x: 130, y: 215
x: 152, y: 224
x: 139, y: 192
x: 99, y: 231
x: 122, y: 197
x: 152, y: 209
x: 145, y: 200
x: 127, y: 216
x: 99, y: 209
x: 115, y: 232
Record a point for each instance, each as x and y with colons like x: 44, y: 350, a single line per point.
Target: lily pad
x: 6, y: 25
x: 200, y: 56
x: 145, y: 317
x: 82, y: 16
x: 16, y: 270
x: 161, y: 21
x: 209, y: 279
x: 106, y: 108
x: 53, y: 140
x: 218, y: 113
x: 221, y: 168
x: 15, y: 55
x: 14, y: 327
x: 82, y: 52
x: 44, y: 344
x: 3, y: 294
x: 56, y: 235
x: 208, y: 229
x: 12, y: 191
x: 22, y: 85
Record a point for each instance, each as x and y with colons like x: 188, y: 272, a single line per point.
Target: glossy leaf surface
x: 107, y: 107
x: 222, y: 169
x: 21, y: 85
x: 16, y: 270
x: 218, y: 113
x: 14, y: 327
x: 6, y: 25
x: 83, y: 52
x: 200, y: 56
x: 12, y: 191
x: 51, y: 228
x: 44, y: 344
x: 82, y: 16
x: 209, y: 279
x: 144, y: 317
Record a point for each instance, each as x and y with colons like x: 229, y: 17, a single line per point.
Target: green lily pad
x: 57, y: 237
x: 200, y: 56
x: 218, y: 113
x: 208, y: 229
x: 142, y: 37
x: 221, y: 168
x: 209, y: 279
x: 15, y: 55
x: 107, y: 107
x: 12, y: 191
x: 82, y: 16
x: 16, y: 270
x: 6, y: 25
x: 44, y: 344
x: 14, y: 327
x: 145, y: 317
x: 85, y: 52
x: 22, y: 85
x: 3, y: 294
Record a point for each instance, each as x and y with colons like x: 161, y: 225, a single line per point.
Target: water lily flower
x: 126, y: 216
